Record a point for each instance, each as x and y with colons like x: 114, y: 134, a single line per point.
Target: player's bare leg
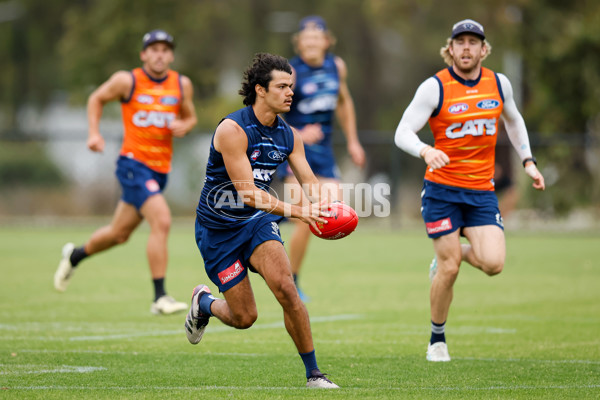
x: 271, y: 262
x: 239, y: 307
x: 157, y: 213
x: 486, y: 249
x: 125, y: 219
x: 449, y: 256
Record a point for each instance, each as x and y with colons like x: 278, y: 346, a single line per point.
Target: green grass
x: 531, y: 332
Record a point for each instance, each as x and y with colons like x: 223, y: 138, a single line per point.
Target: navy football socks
x: 77, y: 255
x: 159, y: 288
x: 310, y: 362
x: 437, y: 332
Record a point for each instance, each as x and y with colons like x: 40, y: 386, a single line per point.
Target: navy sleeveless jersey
x: 315, y: 96
x: 220, y: 207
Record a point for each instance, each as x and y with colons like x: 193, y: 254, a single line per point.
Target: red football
x: 342, y: 222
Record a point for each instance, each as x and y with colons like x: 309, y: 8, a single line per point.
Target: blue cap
x: 155, y: 36
x: 468, y: 26
x: 313, y: 22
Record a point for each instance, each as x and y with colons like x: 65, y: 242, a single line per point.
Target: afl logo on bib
x: 458, y: 108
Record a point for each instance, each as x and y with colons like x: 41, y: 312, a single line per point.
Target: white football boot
x: 65, y: 270
x: 167, y: 305
x: 319, y: 381
x: 438, y: 352
x: 196, y: 321
x: 433, y: 269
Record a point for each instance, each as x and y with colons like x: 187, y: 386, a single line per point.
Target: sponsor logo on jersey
x: 255, y: 155
x: 159, y: 119
x: 476, y: 127
x: 231, y: 272
x: 458, y: 108
x: 309, y: 88
x: 277, y: 155
x: 326, y: 102
x: 488, y: 104
x: 169, y: 100
x: 144, y: 99
x: 152, y: 185
x: 438, y: 226
x: 263, y: 174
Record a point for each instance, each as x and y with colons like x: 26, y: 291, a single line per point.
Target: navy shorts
x: 138, y: 182
x: 321, y: 160
x: 226, y: 252
x: 446, y: 209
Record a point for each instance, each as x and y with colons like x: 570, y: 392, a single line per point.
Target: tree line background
x: 550, y: 49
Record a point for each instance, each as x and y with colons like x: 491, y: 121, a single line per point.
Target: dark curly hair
x: 260, y: 73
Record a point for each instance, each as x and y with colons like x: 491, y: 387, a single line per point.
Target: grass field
x: 531, y: 332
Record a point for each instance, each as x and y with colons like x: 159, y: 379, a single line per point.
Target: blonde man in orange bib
x: 156, y: 105
x: 463, y: 104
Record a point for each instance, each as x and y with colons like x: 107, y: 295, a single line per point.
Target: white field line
x: 274, y: 388
x: 374, y: 357
x: 218, y: 329
x: 25, y: 369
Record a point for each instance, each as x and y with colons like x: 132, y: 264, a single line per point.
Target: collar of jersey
x: 466, y: 82
x: 159, y: 80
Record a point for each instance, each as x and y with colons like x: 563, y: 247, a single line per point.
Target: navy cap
x: 155, y: 36
x: 468, y: 26
x: 313, y: 22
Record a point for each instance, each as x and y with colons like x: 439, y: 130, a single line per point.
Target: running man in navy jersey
x: 320, y: 91
x: 237, y: 217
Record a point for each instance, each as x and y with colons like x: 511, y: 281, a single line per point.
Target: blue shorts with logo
x: 138, y: 182
x: 321, y: 160
x: 446, y: 208
x: 226, y: 252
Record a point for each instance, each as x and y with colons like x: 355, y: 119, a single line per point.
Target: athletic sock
x: 159, y: 288
x: 438, y: 332
x: 77, y: 255
x: 310, y: 362
x: 205, y: 302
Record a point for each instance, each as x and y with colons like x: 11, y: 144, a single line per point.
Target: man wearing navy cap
x: 463, y: 105
x: 156, y: 105
x: 320, y: 91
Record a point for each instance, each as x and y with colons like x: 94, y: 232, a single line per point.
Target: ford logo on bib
x: 488, y: 104
x: 276, y: 155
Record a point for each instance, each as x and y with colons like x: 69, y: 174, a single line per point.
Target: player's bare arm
x: 231, y: 141
x: 346, y: 115
x: 117, y: 87
x: 187, y: 117
x: 414, y: 119
x: 316, y: 193
x: 517, y: 133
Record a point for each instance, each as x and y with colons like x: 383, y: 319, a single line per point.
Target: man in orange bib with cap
x: 156, y: 105
x: 463, y: 104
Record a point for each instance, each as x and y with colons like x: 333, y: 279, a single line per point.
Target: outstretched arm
x: 346, y: 115
x: 517, y: 133
x: 117, y: 87
x: 187, y: 117
x: 231, y: 141
x: 414, y: 119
